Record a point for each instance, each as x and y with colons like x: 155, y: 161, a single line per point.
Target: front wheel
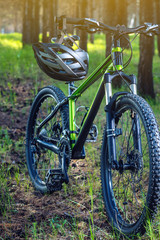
x: 131, y: 192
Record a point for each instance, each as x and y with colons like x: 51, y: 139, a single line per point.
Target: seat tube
x: 72, y: 125
x: 72, y: 107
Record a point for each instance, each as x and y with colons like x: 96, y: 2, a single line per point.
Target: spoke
x: 130, y: 186
x: 47, y: 160
x: 125, y: 132
x: 130, y: 135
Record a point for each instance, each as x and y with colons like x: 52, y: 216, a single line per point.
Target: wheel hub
x: 134, y: 164
x: 136, y: 160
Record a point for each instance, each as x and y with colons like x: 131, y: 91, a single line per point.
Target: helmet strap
x: 72, y: 40
x: 60, y: 39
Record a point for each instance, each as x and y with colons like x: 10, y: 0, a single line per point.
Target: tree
x: 157, y: 3
x: 109, y: 19
x: 49, y: 13
x: 92, y: 10
x: 83, y: 34
x: 11, y: 15
x: 45, y: 19
x: 52, y: 15
x: 36, y: 21
x: 145, y: 77
x: 31, y: 19
x: 122, y: 18
x: 27, y: 21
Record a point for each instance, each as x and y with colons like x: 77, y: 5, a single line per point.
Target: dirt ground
x: 30, y: 209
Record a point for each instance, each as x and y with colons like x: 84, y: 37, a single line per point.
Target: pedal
x: 93, y: 134
x: 54, y: 179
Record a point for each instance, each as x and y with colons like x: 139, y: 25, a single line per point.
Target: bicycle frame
x: 106, y: 69
x: 130, y: 145
x: 77, y: 144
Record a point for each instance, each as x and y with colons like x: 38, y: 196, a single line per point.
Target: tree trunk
x: 51, y: 19
x: 55, y: 15
x: 27, y: 22
x: 109, y: 19
x: 31, y: 27
x: 122, y: 19
x: 158, y: 22
x: 92, y: 7
x: 77, y: 10
x: 145, y: 77
x: 24, y: 31
x: 122, y: 12
x: 52, y: 11
x: 36, y: 21
x: 83, y: 34
x: 45, y: 31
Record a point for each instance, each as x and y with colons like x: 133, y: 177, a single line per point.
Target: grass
x: 82, y: 195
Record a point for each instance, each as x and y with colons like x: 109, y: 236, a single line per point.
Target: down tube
x: 88, y: 120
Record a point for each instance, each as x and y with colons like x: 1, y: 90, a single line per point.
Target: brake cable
x: 128, y: 61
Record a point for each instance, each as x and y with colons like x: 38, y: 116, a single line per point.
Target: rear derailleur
x: 56, y: 177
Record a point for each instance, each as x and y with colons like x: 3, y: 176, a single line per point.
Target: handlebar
x: 88, y: 24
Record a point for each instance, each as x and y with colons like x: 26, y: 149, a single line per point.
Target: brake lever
x: 151, y: 29
x: 92, y: 21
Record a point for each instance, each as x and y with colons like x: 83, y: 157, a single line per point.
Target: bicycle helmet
x: 61, y: 62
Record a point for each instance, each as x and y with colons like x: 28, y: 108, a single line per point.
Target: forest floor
x: 75, y: 212
x: 29, y: 214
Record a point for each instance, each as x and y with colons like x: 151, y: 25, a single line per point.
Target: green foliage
x: 16, y: 62
x: 5, y: 197
x: 19, y: 63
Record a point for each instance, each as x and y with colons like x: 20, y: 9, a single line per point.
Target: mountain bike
x: 130, y: 154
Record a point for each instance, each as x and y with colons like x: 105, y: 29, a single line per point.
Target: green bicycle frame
x: 106, y: 66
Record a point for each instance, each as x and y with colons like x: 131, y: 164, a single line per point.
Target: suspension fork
x: 111, y: 130
x: 110, y: 123
x: 136, y: 124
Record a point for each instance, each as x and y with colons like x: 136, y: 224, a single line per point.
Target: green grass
x: 19, y: 63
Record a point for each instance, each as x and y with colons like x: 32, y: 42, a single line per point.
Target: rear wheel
x: 40, y: 160
x: 131, y: 193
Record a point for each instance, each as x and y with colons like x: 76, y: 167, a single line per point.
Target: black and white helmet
x: 61, y: 62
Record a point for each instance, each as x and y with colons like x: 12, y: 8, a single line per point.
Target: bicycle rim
x: 42, y: 159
